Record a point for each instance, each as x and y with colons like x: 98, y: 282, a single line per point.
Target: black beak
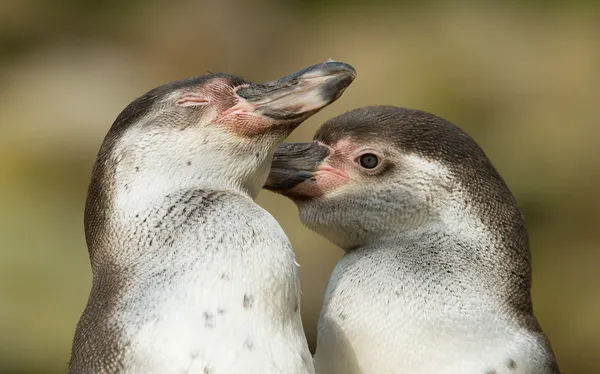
x: 293, y: 163
x: 301, y: 94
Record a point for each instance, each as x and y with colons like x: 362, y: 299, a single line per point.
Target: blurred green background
x: 522, y: 78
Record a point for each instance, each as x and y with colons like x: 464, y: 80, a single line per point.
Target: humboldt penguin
x: 190, y: 275
x: 436, y: 275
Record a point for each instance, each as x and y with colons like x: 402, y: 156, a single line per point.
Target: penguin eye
x: 369, y: 161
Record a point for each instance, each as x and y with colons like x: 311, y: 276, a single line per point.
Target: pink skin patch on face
x: 334, y: 172
x: 215, y: 92
x: 236, y: 115
x: 242, y: 120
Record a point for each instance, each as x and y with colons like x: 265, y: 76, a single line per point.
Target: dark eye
x: 369, y: 161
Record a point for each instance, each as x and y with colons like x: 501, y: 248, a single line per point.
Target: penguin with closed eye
x: 190, y: 275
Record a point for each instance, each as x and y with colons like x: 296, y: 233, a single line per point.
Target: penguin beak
x: 294, y: 163
x: 301, y: 94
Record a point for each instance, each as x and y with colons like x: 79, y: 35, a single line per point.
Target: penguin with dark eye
x: 436, y: 275
x: 190, y: 275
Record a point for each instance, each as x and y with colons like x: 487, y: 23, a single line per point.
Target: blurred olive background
x: 522, y: 77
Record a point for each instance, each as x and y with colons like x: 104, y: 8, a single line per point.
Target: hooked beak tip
x: 302, y: 93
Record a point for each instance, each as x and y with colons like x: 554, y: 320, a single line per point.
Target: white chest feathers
x: 214, y: 290
x: 382, y: 316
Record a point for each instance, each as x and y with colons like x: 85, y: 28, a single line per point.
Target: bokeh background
x: 522, y: 77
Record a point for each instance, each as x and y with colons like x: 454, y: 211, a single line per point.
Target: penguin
x: 436, y: 275
x: 190, y: 275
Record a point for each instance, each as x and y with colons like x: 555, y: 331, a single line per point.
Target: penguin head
x: 381, y: 171
x: 215, y: 131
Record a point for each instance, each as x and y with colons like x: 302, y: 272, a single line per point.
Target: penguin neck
x: 118, y: 201
x: 462, y: 254
x: 138, y: 174
x: 142, y: 193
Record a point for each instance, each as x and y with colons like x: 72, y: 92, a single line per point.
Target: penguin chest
x: 377, y: 324
x: 213, y: 289
x: 225, y: 326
